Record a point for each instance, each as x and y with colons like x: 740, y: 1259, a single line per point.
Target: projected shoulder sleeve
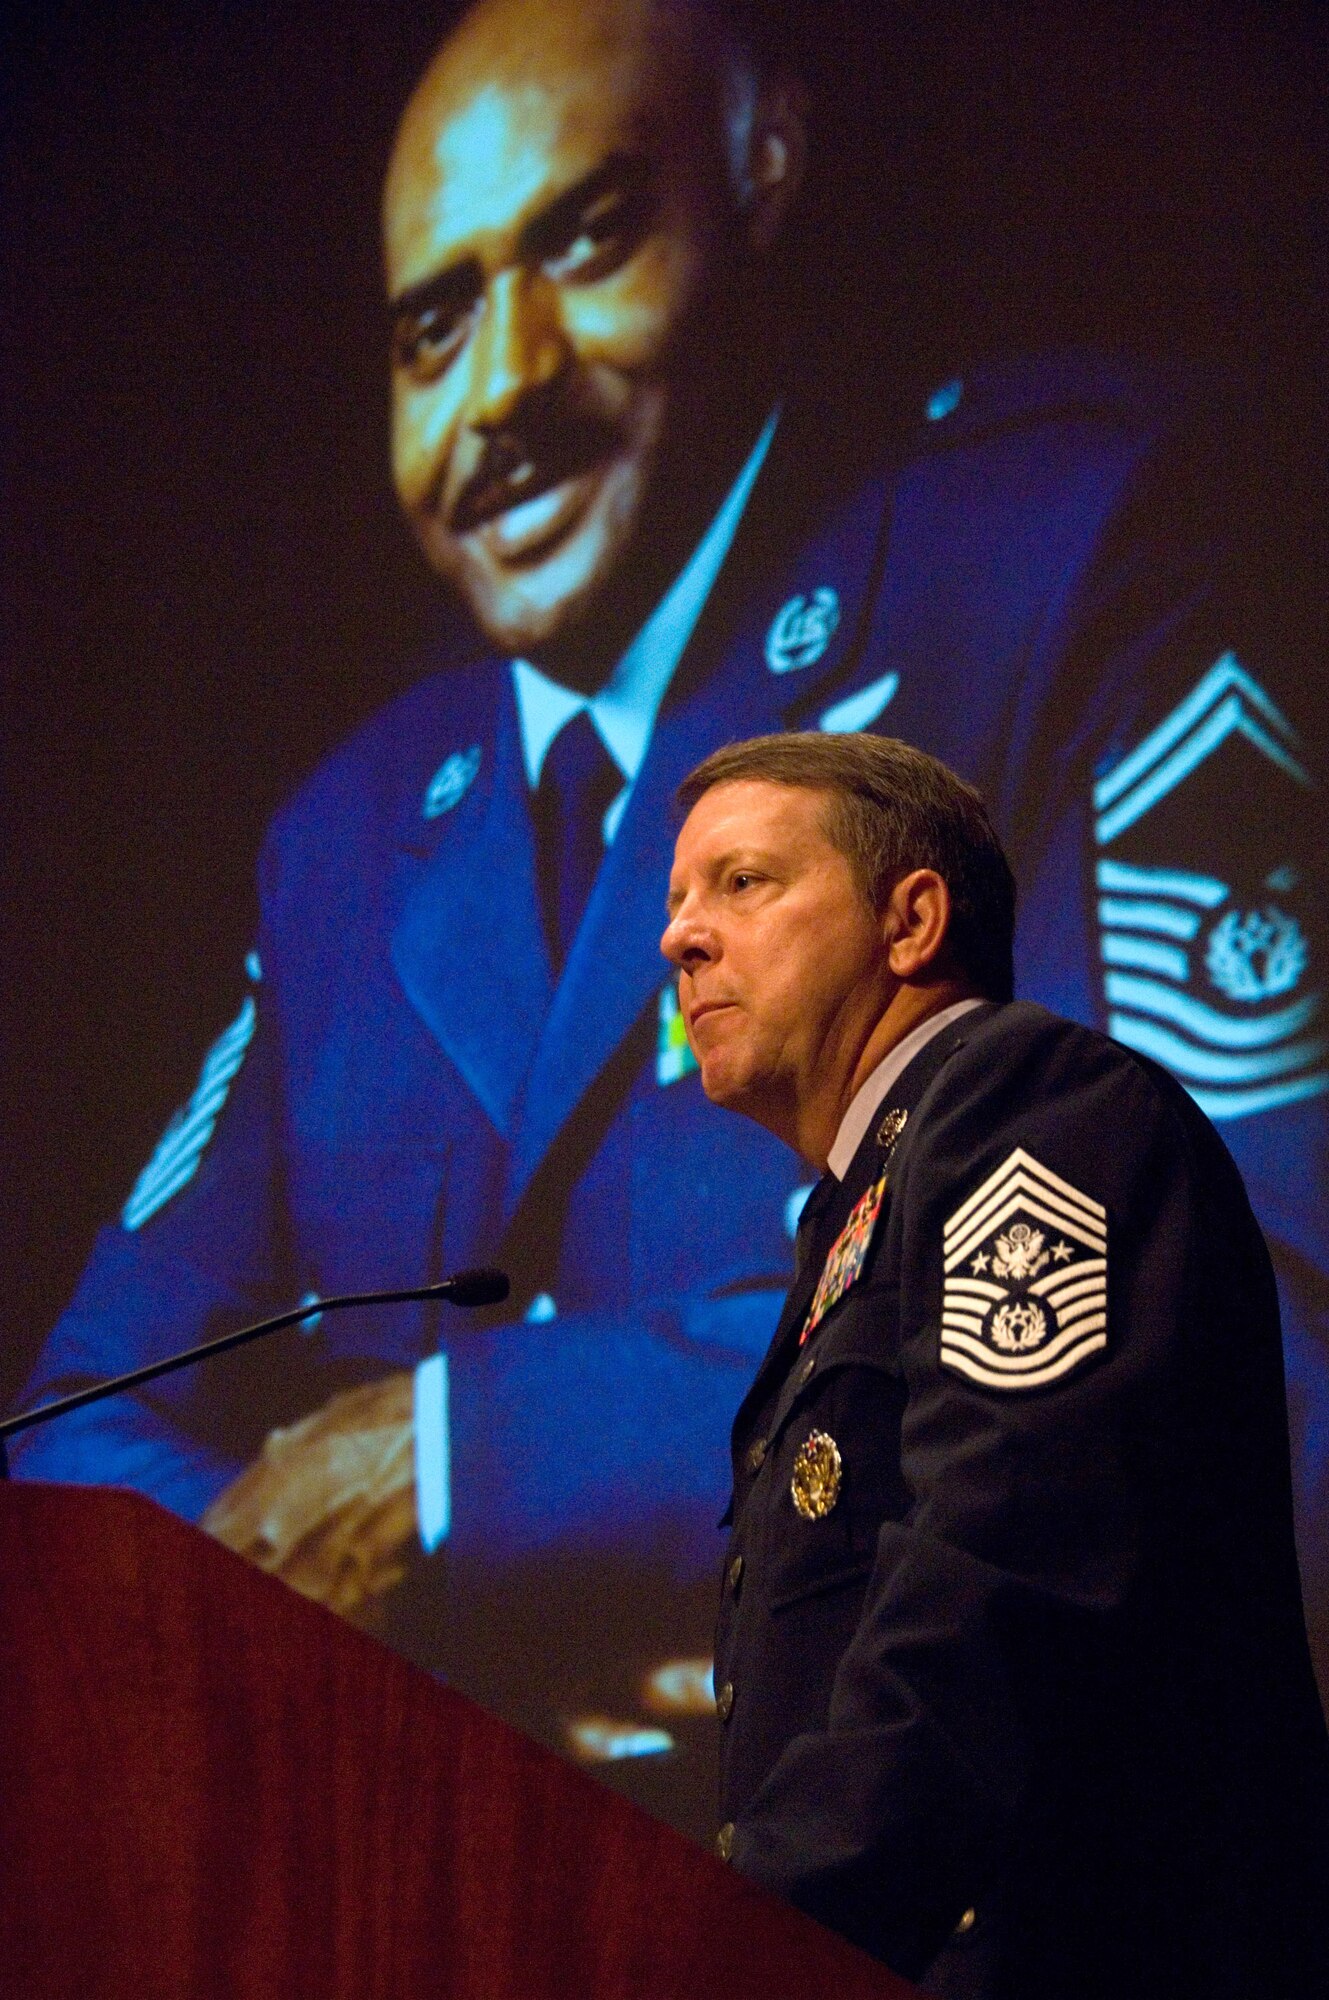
x: 196, y: 1250
x: 1205, y: 916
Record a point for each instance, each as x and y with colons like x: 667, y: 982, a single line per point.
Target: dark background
x: 206, y: 583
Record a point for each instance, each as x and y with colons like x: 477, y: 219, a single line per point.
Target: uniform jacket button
x: 756, y: 1455
x: 966, y: 1923
x: 735, y: 1575
x: 724, y: 1840
x: 724, y: 1701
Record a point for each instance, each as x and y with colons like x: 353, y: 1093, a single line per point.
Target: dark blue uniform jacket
x: 1033, y: 1664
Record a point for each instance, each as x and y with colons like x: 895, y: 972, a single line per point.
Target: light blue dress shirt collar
x: 873, y: 1091
x: 625, y: 708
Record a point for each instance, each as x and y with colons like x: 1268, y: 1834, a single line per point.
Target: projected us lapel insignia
x: 848, y: 1254
x: 802, y: 630
x: 1024, y: 1290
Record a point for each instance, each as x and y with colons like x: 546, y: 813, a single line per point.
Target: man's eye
x: 606, y: 234
x: 425, y: 343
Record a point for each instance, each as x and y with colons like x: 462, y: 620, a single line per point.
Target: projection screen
x: 397, y: 392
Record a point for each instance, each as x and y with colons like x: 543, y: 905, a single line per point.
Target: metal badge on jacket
x: 1024, y: 1294
x: 815, y: 1485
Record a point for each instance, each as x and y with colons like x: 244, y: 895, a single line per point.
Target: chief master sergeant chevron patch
x: 1024, y: 1290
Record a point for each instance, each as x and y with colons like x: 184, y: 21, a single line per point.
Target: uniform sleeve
x: 1172, y: 798
x: 1046, y: 1306
x: 193, y: 1253
x: 1208, y: 924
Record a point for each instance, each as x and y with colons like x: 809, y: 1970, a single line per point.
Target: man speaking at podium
x: 665, y: 517
x: 1011, y: 1666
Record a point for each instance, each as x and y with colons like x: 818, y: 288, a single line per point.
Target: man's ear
x: 775, y: 158
x: 916, y: 922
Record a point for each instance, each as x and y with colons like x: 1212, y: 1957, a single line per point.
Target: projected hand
x: 330, y: 1505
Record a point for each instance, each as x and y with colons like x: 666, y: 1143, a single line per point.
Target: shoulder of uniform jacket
x: 1050, y: 388
x: 388, y: 762
x: 1023, y: 1032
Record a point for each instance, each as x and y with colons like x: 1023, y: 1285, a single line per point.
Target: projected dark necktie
x: 578, y: 782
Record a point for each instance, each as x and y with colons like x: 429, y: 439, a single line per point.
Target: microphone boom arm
x: 467, y: 1288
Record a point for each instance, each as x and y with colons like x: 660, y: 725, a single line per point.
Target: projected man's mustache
x: 551, y: 439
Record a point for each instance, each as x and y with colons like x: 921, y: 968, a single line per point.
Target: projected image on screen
x: 664, y: 515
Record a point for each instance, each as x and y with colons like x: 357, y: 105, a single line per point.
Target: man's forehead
x: 743, y: 815
x: 522, y: 102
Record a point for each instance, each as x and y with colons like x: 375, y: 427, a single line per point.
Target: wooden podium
x: 209, y: 1787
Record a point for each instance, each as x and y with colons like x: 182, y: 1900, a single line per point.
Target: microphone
x: 482, y: 1287
x: 473, y: 1288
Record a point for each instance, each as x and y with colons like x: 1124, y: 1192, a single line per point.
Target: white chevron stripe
x: 964, y: 1364
x: 961, y: 1322
x: 145, y: 1201
x: 1017, y: 1202
x: 1086, y: 1226
x: 175, y: 1160
x: 1068, y: 1274
x: 1014, y: 1183
x: 978, y: 1288
x: 955, y: 1317
x: 1095, y: 1302
x: 1012, y: 1164
x: 1023, y: 1364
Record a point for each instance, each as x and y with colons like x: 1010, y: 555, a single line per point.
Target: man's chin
x: 724, y: 1084
x: 529, y: 607
x: 544, y: 572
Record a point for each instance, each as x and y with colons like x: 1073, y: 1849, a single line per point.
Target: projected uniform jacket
x: 1010, y: 1648
x: 1018, y: 582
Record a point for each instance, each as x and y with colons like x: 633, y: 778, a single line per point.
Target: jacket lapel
x: 723, y: 690
x: 784, y: 1343
x: 874, y: 1153
x: 468, y: 944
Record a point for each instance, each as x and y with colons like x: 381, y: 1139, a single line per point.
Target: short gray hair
x: 889, y: 809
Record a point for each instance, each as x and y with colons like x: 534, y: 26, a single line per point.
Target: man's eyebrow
x: 557, y: 225
x: 451, y: 289
x: 742, y: 859
x: 545, y: 234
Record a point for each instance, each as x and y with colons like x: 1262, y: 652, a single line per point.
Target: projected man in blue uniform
x: 663, y: 527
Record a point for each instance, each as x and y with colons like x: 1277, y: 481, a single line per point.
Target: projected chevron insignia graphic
x: 1204, y: 974
x: 181, y: 1146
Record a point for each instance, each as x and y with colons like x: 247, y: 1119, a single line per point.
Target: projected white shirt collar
x: 625, y: 709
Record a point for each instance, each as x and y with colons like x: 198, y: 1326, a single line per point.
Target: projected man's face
x: 562, y: 208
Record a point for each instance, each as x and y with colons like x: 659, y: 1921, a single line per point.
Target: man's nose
x: 520, y: 346
x: 686, y: 942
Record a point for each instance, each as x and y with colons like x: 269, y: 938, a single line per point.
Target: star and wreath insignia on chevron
x: 1024, y: 1287
x: 847, y: 1257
